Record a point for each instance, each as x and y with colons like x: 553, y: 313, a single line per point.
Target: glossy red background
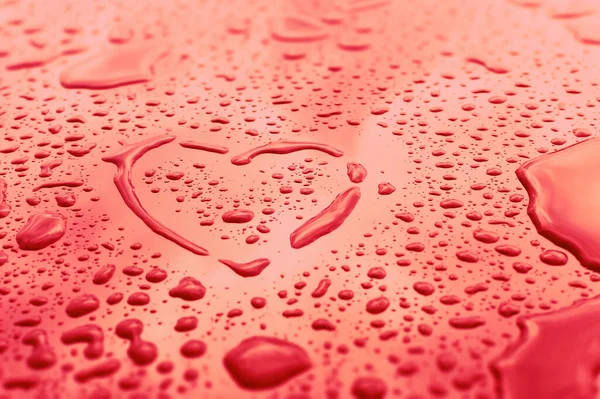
x: 481, y: 70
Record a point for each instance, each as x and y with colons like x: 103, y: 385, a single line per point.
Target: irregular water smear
x: 494, y: 67
x: 586, y: 29
x: 117, y: 66
x: 527, y: 3
x: 54, y: 184
x: 42, y: 355
x: 327, y: 220
x: 356, y: 172
x: 141, y: 352
x: 283, y: 147
x: 265, y: 362
x: 556, y: 356
x: 204, y: 147
x: 558, y: 209
x: 91, y: 335
x: 385, y: 188
x: 561, y: 9
x: 248, y: 269
x: 297, y: 29
x: 124, y: 160
x: 46, y: 168
x: 38, y: 60
x: 322, y: 288
x: 364, y: 5
x: 100, y: 370
x: 188, y: 289
x: 41, y: 230
x: 4, y: 206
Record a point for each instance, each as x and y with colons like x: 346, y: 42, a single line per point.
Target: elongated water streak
x: 124, y: 160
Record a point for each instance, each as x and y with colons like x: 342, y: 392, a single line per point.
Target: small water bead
x: 508, y: 250
x: 138, y: 299
x: 346, y: 295
x: 487, y: 237
x: 193, y: 348
x: 258, y: 302
x: 554, y: 258
x: 156, y: 275
x: 376, y: 273
x: 104, y: 274
x: 369, y: 388
x: 323, y: 325
x: 238, y: 216
x: 185, y: 324
x: 377, y: 305
x: 132, y: 271
x: 466, y: 322
x: 114, y: 298
x: 424, y: 288
x: 82, y: 305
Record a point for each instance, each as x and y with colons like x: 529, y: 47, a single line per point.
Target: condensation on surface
x: 330, y: 199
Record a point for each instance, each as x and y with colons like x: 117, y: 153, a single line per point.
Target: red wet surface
x: 299, y: 199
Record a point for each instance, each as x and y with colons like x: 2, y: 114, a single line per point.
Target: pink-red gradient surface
x: 299, y: 199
